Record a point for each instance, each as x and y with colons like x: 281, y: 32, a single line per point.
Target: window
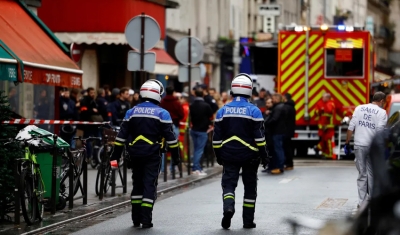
x: 344, y: 62
x: 394, y: 108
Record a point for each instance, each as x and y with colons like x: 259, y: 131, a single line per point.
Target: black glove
x: 265, y: 162
x: 175, y: 160
x: 347, y: 149
x: 255, y: 161
x: 219, y: 161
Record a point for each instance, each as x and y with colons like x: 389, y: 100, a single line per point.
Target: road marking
x: 287, y: 180
x: 333, y: 203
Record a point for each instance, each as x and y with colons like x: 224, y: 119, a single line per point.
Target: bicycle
x: 78, y: 157
x: 104, y: 173
x: 31, y: 186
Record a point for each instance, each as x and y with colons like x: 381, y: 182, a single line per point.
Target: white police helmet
x: 242, y: 84
x: 152, y: 89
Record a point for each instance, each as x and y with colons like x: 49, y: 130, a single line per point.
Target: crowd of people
x: 202, y: 103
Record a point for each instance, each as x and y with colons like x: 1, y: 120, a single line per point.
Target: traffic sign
x: 152, y: 32
x: 269, y: 9
x: 76, y: 51
x: 182, y: 48
x: 184, y: 72
x: 149, y: 61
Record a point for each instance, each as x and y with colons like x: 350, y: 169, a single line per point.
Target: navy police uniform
x: 142, y: 132
x: 239, y: 142
x: 117, y: 111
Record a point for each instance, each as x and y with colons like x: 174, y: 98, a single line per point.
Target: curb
x: 114, y: 207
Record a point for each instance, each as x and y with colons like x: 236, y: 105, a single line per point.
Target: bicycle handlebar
x: 89, y: 138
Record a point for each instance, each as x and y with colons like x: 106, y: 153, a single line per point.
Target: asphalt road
x: 319, y: 192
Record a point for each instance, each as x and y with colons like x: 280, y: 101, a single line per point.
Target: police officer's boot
x: 248, y: 215
x: 136, y: 211
x: 226, y: 220
x: 147, y: 216
x: 229, y: 209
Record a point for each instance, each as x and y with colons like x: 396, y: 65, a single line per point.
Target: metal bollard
x: 17, y: 196
x: 85, y: 182
x: 125, y: 179
x: 180, y: 170
x: 188, y: 150
x: 71, y: 180
x: 112, y: 182
x: 102, y: 169
x: 165, y: 167
x: 54, y: 176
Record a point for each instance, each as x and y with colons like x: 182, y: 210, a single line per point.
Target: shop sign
x: 8, y: 72
x: 52, y: 77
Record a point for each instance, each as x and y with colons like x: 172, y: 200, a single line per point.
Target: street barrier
x: 49, y: 122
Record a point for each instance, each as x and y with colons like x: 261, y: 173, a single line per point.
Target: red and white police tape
x: 50, y: 122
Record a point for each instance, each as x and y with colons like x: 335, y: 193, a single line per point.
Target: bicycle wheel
x: 107, y: 180
x: 40, y: 197
x: 28, y: 197
x: 99, y: 153
x: 97, y: 187
x: 64, y: 185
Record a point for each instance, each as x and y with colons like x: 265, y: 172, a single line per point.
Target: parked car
x: 392, y: 104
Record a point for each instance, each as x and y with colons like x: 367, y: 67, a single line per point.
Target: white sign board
x: 149, y: 61
x: 269, y: 9
x: 184, y: 72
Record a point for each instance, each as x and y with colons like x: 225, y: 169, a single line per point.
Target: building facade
x: 99, y: 30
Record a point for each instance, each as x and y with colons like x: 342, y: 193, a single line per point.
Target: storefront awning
x: 11, y: 69
x: 164, y: 63
x: 93, y: 38
x: 43, y: 60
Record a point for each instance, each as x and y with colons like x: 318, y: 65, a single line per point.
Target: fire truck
x: 315, y: 60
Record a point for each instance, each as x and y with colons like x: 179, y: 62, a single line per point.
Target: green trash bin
x: 44, y: 158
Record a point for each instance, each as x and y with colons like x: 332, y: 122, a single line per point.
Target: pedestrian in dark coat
x: 290, y: 129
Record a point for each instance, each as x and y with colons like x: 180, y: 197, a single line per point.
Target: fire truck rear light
x: 298, y: 28
x: 324, y: 27
x: 296, y: 135
x: 341, y: 27
x: 349, y: 28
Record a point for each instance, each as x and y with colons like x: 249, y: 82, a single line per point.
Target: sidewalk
x: 95, y: 206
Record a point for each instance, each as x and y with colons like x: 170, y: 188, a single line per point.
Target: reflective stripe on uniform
x: 249, y: 200
x: 261, y: 144
x: 118, y: 144
x: 229, y: 197
x: 141, y: 137
x: 260, y: 139
x: 248, y: 205
x: 238, y: 139
x: 172, y: 142
x: 120, y: 140
x: 173, y: 146
x: 136, y: 197
x: 138, y: 201
x: 147, y: 205
x: 148, y: 200
x: 239, y: 116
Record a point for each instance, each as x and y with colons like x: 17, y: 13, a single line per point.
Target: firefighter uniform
x: 183, y: 124
x: 326, y: 115
x: 239, y: 143
x: 142, y: 131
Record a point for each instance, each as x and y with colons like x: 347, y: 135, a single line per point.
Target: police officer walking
x: 367, y: 120
x: 239, y: 143
x: 142, y: 131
